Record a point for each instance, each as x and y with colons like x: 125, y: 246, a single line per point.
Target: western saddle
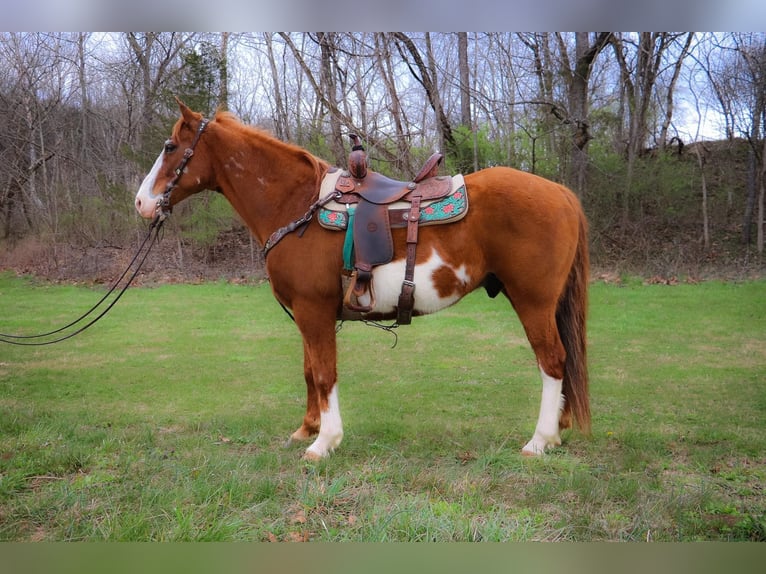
x: 368, y: 196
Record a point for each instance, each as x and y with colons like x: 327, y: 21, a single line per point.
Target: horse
x: 524, y: 236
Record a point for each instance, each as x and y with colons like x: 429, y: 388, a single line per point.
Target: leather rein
x: 163, y: 210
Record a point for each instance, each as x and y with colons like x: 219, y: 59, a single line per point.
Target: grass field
x: 166, y: 421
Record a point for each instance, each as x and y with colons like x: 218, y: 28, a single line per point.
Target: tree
x: 425, y: 72
x: 281, y: 119
x: 38, y: 69
x: 386, y: 71
x: 325, y: 86
x: 749, y: 95
x: 641, y: 62
x: 585, y: 55
x: 736, y: 71
x: 671, y: 90
x: 155, y: 59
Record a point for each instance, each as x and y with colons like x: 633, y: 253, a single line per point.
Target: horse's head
x: 175, y: 169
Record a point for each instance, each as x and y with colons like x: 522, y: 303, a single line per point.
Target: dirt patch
x: 234, y: 257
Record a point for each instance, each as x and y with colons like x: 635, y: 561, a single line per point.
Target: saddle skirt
x: 453, y: 207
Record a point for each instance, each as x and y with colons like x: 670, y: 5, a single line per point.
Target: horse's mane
x: 231, y: 121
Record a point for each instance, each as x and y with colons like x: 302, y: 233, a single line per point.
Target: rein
x: 163, y: 210
x: 31, y: 340
x: 282, y: 232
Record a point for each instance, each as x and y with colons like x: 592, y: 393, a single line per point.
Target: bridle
x: 163, y: 203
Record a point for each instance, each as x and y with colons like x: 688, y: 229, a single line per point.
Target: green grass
x: 166, y: 421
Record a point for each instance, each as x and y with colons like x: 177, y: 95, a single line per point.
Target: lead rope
x: 163, y: 210
x: 28, y: 340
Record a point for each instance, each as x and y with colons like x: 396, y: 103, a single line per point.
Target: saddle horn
x: 357, y: 159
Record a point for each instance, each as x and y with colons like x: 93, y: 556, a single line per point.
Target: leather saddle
x: 369, y: 197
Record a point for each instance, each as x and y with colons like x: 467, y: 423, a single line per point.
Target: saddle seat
x: 374, y: 204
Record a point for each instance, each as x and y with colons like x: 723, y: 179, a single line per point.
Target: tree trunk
x: 223, y: 97
x: 465, y: 91
x: 705, y: 219
x: 84, y: 115
x: 752, y: 184
x: 663, y: 141
x: 402, y: 162
x: 761, y: 201
x: 327, y: 82
x: 585, y: 55
x: 639, y: 84
x: 281, y: 123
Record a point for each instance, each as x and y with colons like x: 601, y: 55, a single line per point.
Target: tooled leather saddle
x: 374, y: 204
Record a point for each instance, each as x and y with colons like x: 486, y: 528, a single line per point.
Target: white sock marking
x: 547, y: 429
x: 331, y: 427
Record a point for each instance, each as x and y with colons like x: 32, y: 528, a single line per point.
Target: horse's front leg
x: 310, y: 426
x: 321, y: 380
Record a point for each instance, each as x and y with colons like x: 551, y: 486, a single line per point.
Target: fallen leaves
x: 300, y: 525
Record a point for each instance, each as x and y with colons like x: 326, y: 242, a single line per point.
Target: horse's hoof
x: 530, y: 453
x: 312, y: 456
x: 302, y: 435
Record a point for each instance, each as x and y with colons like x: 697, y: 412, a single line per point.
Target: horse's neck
x: 277, y: 186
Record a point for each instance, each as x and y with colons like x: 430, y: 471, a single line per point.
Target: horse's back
x: 519, y: 192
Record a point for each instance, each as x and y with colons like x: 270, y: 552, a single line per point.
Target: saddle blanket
x: 446, y: 210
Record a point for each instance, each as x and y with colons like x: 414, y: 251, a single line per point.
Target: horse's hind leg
x: 543, y: 335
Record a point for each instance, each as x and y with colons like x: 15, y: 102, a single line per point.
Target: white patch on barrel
x: 146, y: 200
x: 387, y: 283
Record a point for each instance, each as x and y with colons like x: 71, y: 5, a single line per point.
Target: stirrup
x: 351, y: 298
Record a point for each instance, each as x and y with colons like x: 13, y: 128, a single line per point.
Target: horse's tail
x: 570, y: 320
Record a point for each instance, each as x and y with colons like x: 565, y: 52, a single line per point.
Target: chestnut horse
x: 523, y: 236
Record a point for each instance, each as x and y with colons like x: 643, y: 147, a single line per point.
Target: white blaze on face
x: 146, y: 200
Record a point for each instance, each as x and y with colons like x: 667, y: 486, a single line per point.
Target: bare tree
x: 737, y: 77
x: 465, y: 81
x: 750, y: 100
x: 425, y: 72
x: 385, y: 67
x: 671, y: 90
x: 223, y: 95
x: 155, y: 57
x: 641, y: 61
x: 281, y: 121
x: 39, y: 67
x: 585, y: 55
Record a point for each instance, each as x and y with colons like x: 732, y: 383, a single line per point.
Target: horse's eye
x: 170, y: 147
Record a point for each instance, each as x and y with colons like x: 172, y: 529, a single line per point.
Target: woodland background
x: 660, y: 134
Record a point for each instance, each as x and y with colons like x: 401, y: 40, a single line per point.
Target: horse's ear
x: 187, y: 113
